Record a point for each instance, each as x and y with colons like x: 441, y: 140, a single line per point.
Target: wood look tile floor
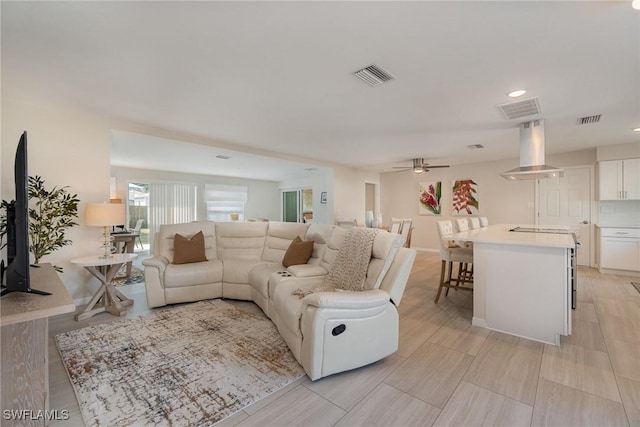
x: 449, y: 373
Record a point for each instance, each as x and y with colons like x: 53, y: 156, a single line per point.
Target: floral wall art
x: 464, y: 197
x: 429, y: 194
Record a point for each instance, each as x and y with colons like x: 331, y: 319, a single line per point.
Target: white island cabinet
x: 522, y: 282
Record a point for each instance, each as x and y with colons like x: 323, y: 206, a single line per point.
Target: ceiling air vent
x: 524, y: 108
x: 475, y: 146
x: 223, y: 157
x: 374, y: 75
x: 589, y: 119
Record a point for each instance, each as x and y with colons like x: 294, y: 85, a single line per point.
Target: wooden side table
x: 108, y: 298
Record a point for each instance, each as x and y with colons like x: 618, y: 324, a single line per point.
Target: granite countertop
x: 500, y: 234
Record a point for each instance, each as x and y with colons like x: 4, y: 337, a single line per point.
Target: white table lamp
x: 105, y: 215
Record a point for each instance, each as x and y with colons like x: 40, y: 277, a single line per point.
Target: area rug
x: 189, y: 365
x: 136, y: 276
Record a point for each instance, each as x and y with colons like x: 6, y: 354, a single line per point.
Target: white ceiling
x: 277, y: 76
x: 135, y: 150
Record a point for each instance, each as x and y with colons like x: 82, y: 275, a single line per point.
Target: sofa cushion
x: 241, y: 240
x: 237, y: 270
x: 320, y: 234
x: 164, y: 239
x: 279, y: 236
x: 187, y: 250
x: 259, y: 276
x: 289, y: 306
x: 199, y: 273
x: 299, y: 252
x: 385, y: 248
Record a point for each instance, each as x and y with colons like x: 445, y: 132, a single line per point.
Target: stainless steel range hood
x: 532, y: 154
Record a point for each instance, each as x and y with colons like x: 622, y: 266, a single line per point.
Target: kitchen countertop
x: 500, y: 234
x: 617, y: 226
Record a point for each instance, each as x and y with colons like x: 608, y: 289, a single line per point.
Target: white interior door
x: 567, y: 201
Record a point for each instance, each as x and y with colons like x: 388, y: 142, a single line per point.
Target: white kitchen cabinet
x: 620, y: 248
x: 620, y: 179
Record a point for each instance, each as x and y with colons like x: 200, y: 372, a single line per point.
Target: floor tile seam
x: 586, y: 392
x: 473, y: 358
x: 608, y: 352
x: 624, y: 407
x: 498, y: 393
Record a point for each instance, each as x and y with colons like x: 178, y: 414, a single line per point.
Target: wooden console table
x: 24, y: 355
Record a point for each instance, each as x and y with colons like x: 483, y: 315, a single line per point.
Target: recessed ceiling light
x: 635, y: 4
x: 636, y: 129
x: 517, y: 93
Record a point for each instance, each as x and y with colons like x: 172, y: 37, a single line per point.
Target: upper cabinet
x: 620, y: 179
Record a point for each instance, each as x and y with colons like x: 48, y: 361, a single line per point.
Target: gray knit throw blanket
x: 350, y: 268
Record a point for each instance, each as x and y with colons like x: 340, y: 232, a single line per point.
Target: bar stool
x: 451, y: 253
x: 475, y: 222
x: 484, y: 221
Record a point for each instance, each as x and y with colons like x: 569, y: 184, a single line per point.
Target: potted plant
x: 51, y: 213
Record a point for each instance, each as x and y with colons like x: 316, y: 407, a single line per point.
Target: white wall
x: 349, y: 193
x: 263, y: 197
x: 500, y: 200
x: 319, y: 183
x: 66, y: 148
x: 618, y: 151
x: 71, y: 147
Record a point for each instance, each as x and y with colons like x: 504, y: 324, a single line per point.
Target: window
x: 225, y: 202
x: 170, y: 203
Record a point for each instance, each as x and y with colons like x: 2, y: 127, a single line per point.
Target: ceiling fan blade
x: 435, y: 166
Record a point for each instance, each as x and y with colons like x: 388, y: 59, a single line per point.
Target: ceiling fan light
x: 418, y: 170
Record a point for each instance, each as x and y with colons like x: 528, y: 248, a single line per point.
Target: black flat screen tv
x: 17, y: 277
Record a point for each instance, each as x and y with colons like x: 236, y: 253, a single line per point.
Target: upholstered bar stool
x: 475, y: 222
x: 484, y: 221
x: 451, y: 253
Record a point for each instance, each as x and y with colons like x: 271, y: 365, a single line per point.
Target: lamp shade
x: 104, y: 214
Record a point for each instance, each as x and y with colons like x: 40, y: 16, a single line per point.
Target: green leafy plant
x: 51, y: 213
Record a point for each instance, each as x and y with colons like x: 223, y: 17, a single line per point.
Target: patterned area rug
x: 136, y: 276
x: 188, y: 365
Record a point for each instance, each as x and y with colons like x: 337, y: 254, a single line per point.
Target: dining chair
x: 450, y: 253
x: 395, y: 226
x: 462, y: 225
x: 348, y: 224
x: 137, y: 229
x: 475, y: 222
x: 405, y: 232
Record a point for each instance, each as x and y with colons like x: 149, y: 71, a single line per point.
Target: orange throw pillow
x: 187, y: 250
x: 299, y: 252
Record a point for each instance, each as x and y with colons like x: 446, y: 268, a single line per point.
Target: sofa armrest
x: 307, y: 270
x: 159, y: 262
x: 347, y: 300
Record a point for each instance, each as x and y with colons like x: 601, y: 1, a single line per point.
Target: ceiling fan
x: 420, y: 166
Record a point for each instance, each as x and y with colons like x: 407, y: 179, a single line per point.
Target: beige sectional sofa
x: 328, y: 332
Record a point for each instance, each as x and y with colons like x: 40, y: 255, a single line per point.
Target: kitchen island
x: 522, y: 281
